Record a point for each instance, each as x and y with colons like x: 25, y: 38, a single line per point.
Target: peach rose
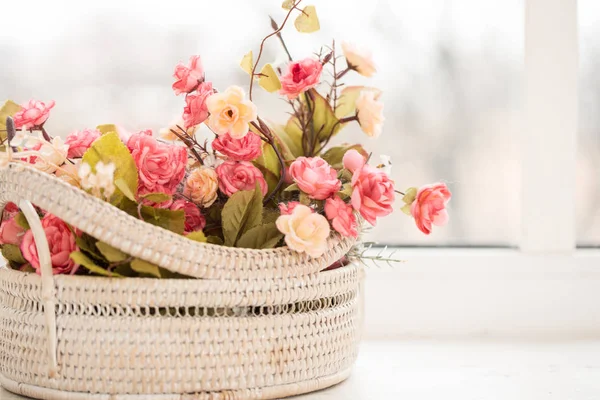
x: 240, y: 175
x: 315, y: 177
x: 370, y: 113
x: 201, y: 186
x: 372, y: 193
x: 305, y: 231
x: 61, y: 241
x: 194, y: 220
x: 301, y: 76
x: 161, y: 167
x: 11, y: 232
x: 341, y: 216
x: 195, y: 111
x: 188, y: 77
x: 429, y: 206
x: 359, y: 60
x: 245, y: 149
x: 230, y: 113
x: 33, y: 114
x: 80, y: 141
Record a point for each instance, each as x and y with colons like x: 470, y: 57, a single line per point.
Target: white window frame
x: 546, y: 288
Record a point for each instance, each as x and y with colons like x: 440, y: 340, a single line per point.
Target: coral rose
x: 305, y: 231
x: 300, y: 76
x: 194, y: 220
x: 370, y: 113
x: 359, y: 60
x: 230, y: 113
x: 372, y: 193
x: 161, y: 167
x: 315, y: 177
x: 80, y: 141
x: 201, y: 186
x: 188, y: 77
x: 195, y: 111
x: 240, y: 175
x: 429, y: 206
x: 61, y: 242
x: 11, y: 232
x: 245, y: 149
x: 341, y: 216
x: 33, y: 114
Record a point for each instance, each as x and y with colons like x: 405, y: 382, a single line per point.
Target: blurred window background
x: 451, y: 72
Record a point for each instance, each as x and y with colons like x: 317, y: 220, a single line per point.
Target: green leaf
x: 345, y: 175
x: 109, y: 149
x: 268, y: 163
x: 110, y: 253
x: 324, y: 121
x: 22, y: 221
x: 214, y: 240
x: 8, y: 109
x: 247, y: 62
x: 346, y: 104
x: 172, y: 220
x: 268, y: 79
x: 406, y: 210
x: 156, y: 197
x: 107, y: 128
x: 291, y: 135
x: 12, y: 253
x: 307, y: 21
x: 335, y: 155
x: 88, y: 264
x: 265, y: 236
x: 288, y: 4
x: 124, y: 188
x: 270, y: 216
x: 87, y: 244
x: 304, y: 199
x: 346, y: 191
x: 410, y: 195
x: 242, y: 212
x: 197, y: 236
x: 292, y: 188
x: 145, y: 268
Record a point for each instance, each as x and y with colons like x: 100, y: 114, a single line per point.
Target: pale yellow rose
x: 359, y: 60
x: 52, y: 155
x: 229, y: 112
x: 370, y: 113
x: 305, y: 231
x: 201, y: 186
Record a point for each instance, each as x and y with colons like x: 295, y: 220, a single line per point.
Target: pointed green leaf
x: 13, y: 253
x: 172, y: 220
x: 410, y: 195
x: 291, y: 135
x: 214, y: 240
x: 406, y: 210
x: 107, y: 128
x: 268, y: 163
x: 145, y: 268
x: 88, y: 264
x: 8, y: 109
x: 325, y: 123
x: 124, y: 188
x: 292, y: 188
x: 110, y: 253
x: 265, y: 236
x: 156, y: 197
x: 22, y: 221
x: 242, y: 211
x: 346, y: 191
x: 197, y: 236
x: 270, y: 216
x: 268, y: 79
x: 247, y: 62
x: 288, y: 4
x: 307, y: 21
x: 110, y: 149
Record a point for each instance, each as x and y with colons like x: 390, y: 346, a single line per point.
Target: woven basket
x: 261, y: 324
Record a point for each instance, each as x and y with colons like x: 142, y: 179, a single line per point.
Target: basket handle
x: 48, y: 288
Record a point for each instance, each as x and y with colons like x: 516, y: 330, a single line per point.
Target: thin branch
x: 189, y: 144
x: 263, y: 128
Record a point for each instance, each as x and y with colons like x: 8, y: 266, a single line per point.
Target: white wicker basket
x: 262, y: 324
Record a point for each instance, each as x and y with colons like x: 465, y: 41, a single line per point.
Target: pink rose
x: 195, y: 111
x: 372, y: 193
x: 61, y: 242
x: 353, y: 160
x: 33, y: 114
x: 245, y: 149
x: 80, y: 141
x: 429, y: 206
x: 341, y: 216
x: 10, y: 210
x: 239, y: 175
x: 288, y: 208
x: 11, y: 232
x: 188, y: 78
x: 194, y: 220
x: 301, y: 76
x: 315, y: 177
x: 161, y: 167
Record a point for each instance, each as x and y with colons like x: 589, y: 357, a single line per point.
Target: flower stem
x: 269, y: 138
x: 45, y: 134
x: 342, y: 73
x: 189, y: 145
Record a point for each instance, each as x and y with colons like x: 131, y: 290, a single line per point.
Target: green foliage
x: 346, y: 192
x: 307, y: 21
x: 409, y: 197
x: 242, y: 212
x: 107, y: 128
x: 264, y: 236
x: 145, y: 268
x: 268, y: 79
x: 156, y: 197
x: 214, y: 240
x: 247, y: 62
x: 8, y: 109
x: 83, y: 260
x: 346, y: 105
x: 292, y: 188
x: 13, y: 253
x: 335, y: 154
x: 109, y: 149
x: 269, y: 165
x: 197, y: 236
x: 291, y: 135
x: 110, y: 253
x: 324, y: 121
x: 22, y: 221
x: 172, y: 220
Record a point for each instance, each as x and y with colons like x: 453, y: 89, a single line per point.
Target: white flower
x: 370, y: 113
x: 52, y: 155
x: 101, y: 184
x: 359, y: 60
x: 386, y: 164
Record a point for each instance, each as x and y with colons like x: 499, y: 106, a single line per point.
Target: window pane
x: 451, y: 73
